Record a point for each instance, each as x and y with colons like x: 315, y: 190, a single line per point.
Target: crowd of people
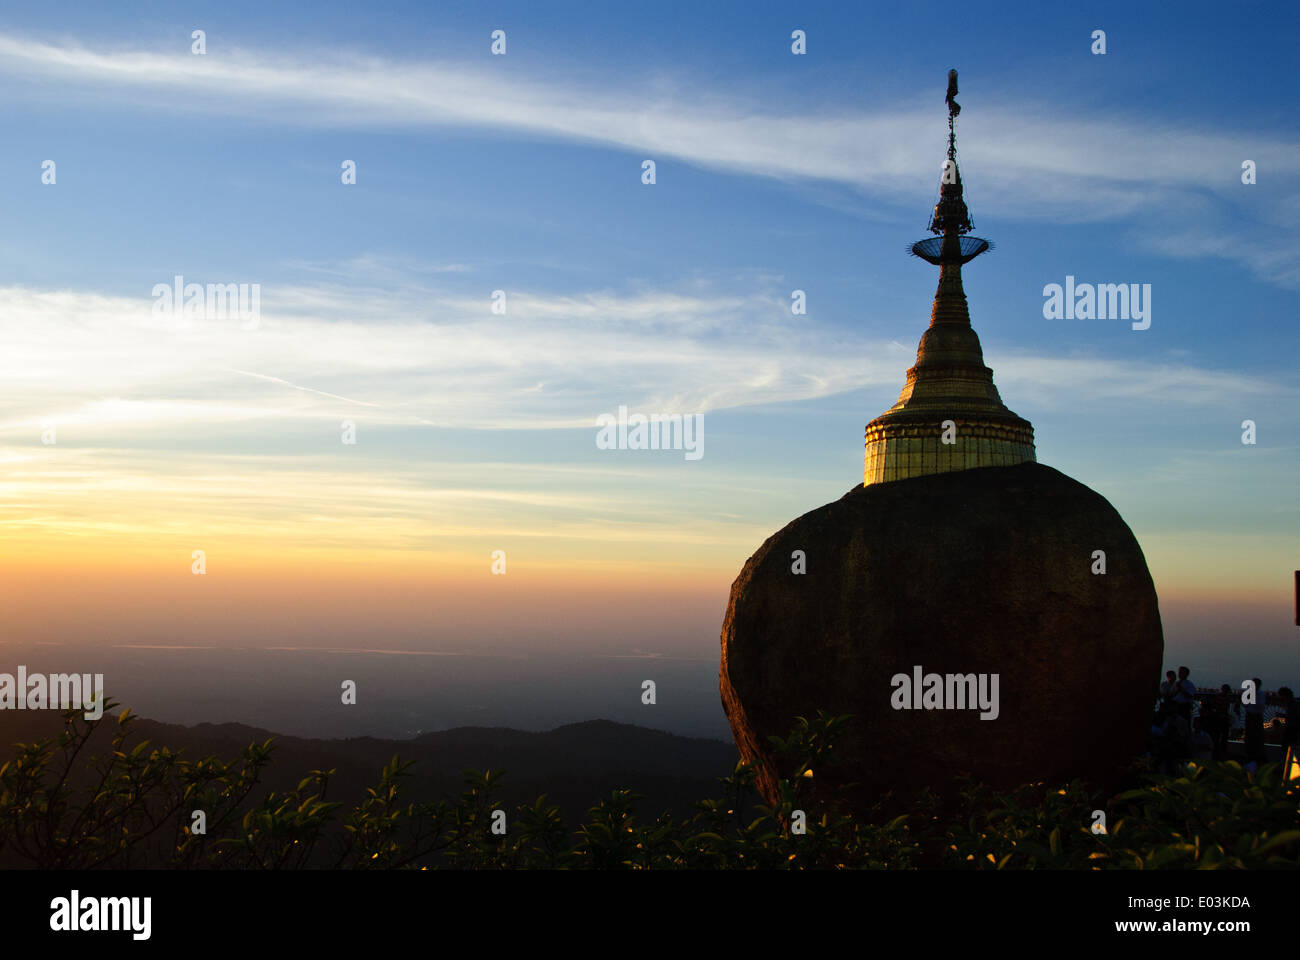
x: 1182, y: 730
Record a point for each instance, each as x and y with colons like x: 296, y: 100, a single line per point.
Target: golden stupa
x: 949, y: 415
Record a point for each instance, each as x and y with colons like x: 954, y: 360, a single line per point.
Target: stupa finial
x: 950, y: 213
x: 954, y: 108
x: 951, y: 220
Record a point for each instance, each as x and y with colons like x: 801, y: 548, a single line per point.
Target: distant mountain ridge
x: 575, y: 765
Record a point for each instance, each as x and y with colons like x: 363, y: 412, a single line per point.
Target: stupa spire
x: 949, y: 415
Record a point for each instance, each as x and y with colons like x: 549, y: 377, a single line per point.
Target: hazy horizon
x: 294, y: 691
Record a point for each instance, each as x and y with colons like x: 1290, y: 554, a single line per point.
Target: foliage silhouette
x: 63, y: 809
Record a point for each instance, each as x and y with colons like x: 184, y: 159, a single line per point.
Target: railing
x: 1274, y: 710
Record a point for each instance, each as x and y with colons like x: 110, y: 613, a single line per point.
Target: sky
x: 475, y: 431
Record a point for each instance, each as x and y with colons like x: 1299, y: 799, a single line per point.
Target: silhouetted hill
x: 574, y: 765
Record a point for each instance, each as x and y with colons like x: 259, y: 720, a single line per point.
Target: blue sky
x: 522, y: 172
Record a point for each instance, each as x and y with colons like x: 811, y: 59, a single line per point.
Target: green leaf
x: 1282, y: 839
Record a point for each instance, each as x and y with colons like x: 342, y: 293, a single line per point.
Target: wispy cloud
x: 1025, y: 152
x: 153, y: 415
x: 551, y: 362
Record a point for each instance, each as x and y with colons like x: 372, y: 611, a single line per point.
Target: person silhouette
x: 1185, y: 694
x: 1200, y: 744
x: 1290, y: 719
x: 1219, y: 720
x: 1232, y: 702
x: 1255, y: 724
x: 1169, y: 687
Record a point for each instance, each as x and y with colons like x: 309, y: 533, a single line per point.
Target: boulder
x: 986, y: 571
